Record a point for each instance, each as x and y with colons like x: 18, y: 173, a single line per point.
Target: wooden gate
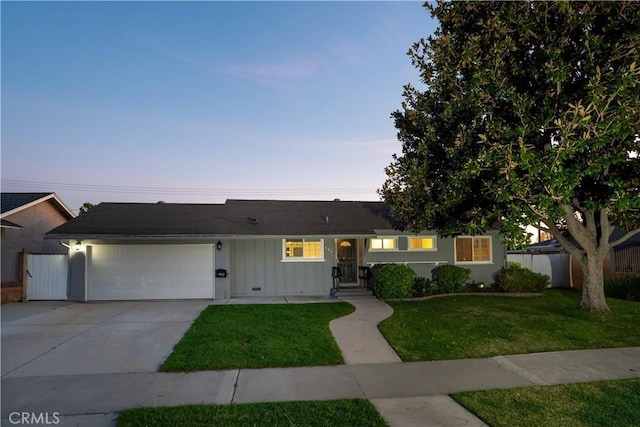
x: 46, y: 277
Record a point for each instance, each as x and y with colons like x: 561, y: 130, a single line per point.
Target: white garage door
x: 124, y: 272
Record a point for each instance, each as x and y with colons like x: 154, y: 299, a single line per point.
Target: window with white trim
x: 470, y: 249
x: 302, y: 249
x: 422, y: 243
x: 383, y: 244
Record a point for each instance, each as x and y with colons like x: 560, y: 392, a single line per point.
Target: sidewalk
x: 388, y: 385
x: 413, y: 393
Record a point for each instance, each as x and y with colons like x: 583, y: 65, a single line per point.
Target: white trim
x: 53, y: 196
x: 433, y: 238
x: 455, y: 260
x: 321, y: 258
x: 395, y: 244
x: 373, y: 263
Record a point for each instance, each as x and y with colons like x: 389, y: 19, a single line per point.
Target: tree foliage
x: 85, y: 207
x: 530, y: 115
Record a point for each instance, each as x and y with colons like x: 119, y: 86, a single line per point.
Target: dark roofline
x: 236, y: 218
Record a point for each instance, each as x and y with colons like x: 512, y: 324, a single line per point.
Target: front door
x: 347, y: 250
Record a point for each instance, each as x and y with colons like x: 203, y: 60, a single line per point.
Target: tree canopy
x: 530, y: 116
x: 86, y: 206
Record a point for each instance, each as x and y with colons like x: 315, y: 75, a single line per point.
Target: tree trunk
x: 593, y: 299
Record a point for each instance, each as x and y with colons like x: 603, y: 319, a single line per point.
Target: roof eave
x: 65, y: 209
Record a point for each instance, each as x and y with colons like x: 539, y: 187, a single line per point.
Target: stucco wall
x: 36, y: 220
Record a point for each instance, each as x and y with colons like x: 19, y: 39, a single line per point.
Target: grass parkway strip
x: 355, y: 412
x: 603, y: 403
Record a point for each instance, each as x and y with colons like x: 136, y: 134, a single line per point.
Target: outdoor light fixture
x: 78, y: 245
x: 219, y: 245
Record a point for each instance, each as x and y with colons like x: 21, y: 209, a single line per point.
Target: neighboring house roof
x: 233, y: 218
x: 9, y: 224
x: 12, y: 203
x: 552, y: 245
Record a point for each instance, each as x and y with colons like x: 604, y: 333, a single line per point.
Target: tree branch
x: 605, y: 229
x: 577, y: 230
x: 625, y: 237
x: 564, y: 242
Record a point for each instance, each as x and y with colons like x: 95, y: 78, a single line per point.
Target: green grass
x: 604, y: 403
x: 484, y: 326
x: 355, y: 412
x: 259, y: 336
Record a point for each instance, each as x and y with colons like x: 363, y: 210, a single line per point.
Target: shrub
x: 423, y: 287
x: 623, y: 287
x: 515, y: 278
x: 479, y: 287
x: 394, y: 281
x: 451, y: 278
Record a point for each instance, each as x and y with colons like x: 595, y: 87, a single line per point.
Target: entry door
x: 347, y: 250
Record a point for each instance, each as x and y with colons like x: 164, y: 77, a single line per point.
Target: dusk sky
x: 200, y: 102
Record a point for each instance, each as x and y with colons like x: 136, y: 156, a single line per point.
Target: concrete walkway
x: 406, y: 394
x: 358, y: 336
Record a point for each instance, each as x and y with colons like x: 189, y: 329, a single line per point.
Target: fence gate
x: 47, y: 277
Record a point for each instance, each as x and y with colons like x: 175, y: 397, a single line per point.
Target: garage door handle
x: 29, y: 274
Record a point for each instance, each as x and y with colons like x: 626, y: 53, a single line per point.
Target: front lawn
x: 355, y: 412
x: 463, y: 327
x: 604, y: 403
x: 259, y: 336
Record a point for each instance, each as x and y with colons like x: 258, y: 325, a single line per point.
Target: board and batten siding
x: 257, y: 269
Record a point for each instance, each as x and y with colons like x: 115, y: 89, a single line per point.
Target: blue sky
x: 204, y: 101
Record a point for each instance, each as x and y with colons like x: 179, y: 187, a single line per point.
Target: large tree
x: 530, y: 115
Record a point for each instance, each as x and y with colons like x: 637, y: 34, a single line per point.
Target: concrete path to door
x: 358, y: 336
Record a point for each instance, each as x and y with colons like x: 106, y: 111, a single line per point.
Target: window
x: 422, y: 243
x: 473, y: 249
x: 383, y: 244
x: 303, y: 249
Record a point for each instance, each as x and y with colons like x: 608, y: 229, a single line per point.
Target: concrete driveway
x: 48, y: 339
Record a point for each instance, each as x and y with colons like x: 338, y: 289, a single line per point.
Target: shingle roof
x: 11, y: 201
x: 234, y: 218
x: 16, y: 202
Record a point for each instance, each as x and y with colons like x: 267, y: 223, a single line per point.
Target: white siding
x: 129, y: 272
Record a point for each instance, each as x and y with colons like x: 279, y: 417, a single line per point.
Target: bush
x: 423, y: 287
x: 479, y: 287
x: 515, y: 278
x: 451, y: 278
x: 394, y: 281
x: 623, y: 287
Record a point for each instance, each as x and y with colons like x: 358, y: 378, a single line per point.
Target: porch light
x: 78, y: 245
x: 219, y: 245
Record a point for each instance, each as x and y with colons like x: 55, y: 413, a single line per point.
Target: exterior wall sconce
x: 219, y: 245
x: 78, y: 245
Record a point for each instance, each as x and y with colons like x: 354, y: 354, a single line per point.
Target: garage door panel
x: 151, y: 272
